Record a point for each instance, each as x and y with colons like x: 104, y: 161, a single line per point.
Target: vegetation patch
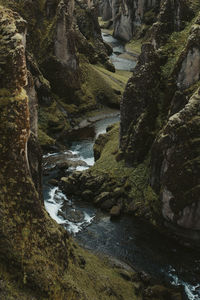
x: 134, y: 179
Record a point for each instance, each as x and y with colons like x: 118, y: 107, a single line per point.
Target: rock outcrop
x: 63, y: 43
x: 38, y: 259
x: 21, y: 209
x: 160, y: 115
x: 128, y: 17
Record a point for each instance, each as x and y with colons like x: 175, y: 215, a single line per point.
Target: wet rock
x: 107, y: 204
x: 115, y: 211
x: 87, y: 195
x: 68, y: 184
x: 145, y: 277
x: 161, y: 292
x: 101, y: 198
x: 63, y: 161
x: 53, y: 181
x: 108, y: 48
x: 74, y: 216
x: 99, y: 145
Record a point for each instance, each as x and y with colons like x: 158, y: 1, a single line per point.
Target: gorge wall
x: 155, y: 171
x: 160, y: 114
x: 129, y: 18
x: 38, y: 259
x: 64, y: 45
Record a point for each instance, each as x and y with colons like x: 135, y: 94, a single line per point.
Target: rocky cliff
x: 129, y: 18
x: 160, y: 114
x: 38, y: 259
x: 154, y: 170
x: 64, y: 46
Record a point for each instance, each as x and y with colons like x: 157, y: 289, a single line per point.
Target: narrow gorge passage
x: 129, y: 239
x: 91, y: 216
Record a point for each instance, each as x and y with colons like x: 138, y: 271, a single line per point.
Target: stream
x: 121, y: 59
x: 128, y: 239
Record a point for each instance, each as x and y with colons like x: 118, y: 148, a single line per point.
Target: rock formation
x: 157, y: 163
x: 128, y: 17
x: 63, y: 44
x: 160, y: 116
x: 38, y: 259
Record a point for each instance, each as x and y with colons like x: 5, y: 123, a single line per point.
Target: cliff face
x: 63, y: 41
x: 160, y: 115
x: 21, y: 209
x: 129, y: 17
x: 38, y: 259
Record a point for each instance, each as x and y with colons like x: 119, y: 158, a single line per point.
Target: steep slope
x: 170, y: 105
x: 129, y: 18
x: 38, y: 259
x: 59, y: 56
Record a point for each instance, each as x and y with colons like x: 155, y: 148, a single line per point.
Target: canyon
x: 57, y: 77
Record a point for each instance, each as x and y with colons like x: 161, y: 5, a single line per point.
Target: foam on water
x: 74, y: 228
x: 89, y: 160
x: 54, y: 203
x: 50, y: 154
x: 53, y: 206
x: 192, y: 291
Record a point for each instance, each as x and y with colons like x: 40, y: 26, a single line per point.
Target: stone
x: 101, y: 198
x: 115, y: 211
x: 107, y: 204
x: 74, y: 216
x: 53, y: 182
x: 87, y: 195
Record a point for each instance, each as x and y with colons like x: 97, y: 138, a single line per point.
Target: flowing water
x: 129, y: 239
x: 120, y: 62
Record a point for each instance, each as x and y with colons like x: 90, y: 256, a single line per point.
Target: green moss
x: 134, y: 46
x: 105, y: 280
x: 173, y: 48
x: 152, y: 201
x: 195, y: 5
x: 52, y: 120
x: 8, y: 97
x: 149, y: 17
x: 135, y: 178
x: 44, y: 140
x: 99, y: 86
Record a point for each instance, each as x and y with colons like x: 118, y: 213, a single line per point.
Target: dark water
x: 119, y: 62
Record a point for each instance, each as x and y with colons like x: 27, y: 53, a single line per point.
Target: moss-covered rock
x: 38, y: 259
x: 160, y: 109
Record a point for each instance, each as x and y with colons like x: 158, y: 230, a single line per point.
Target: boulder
x: 107, y: 204
x: 101, y: 198
x: 115, y: 211
x: 87, y: 195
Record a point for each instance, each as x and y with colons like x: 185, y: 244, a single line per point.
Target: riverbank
x: 129, y: 238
